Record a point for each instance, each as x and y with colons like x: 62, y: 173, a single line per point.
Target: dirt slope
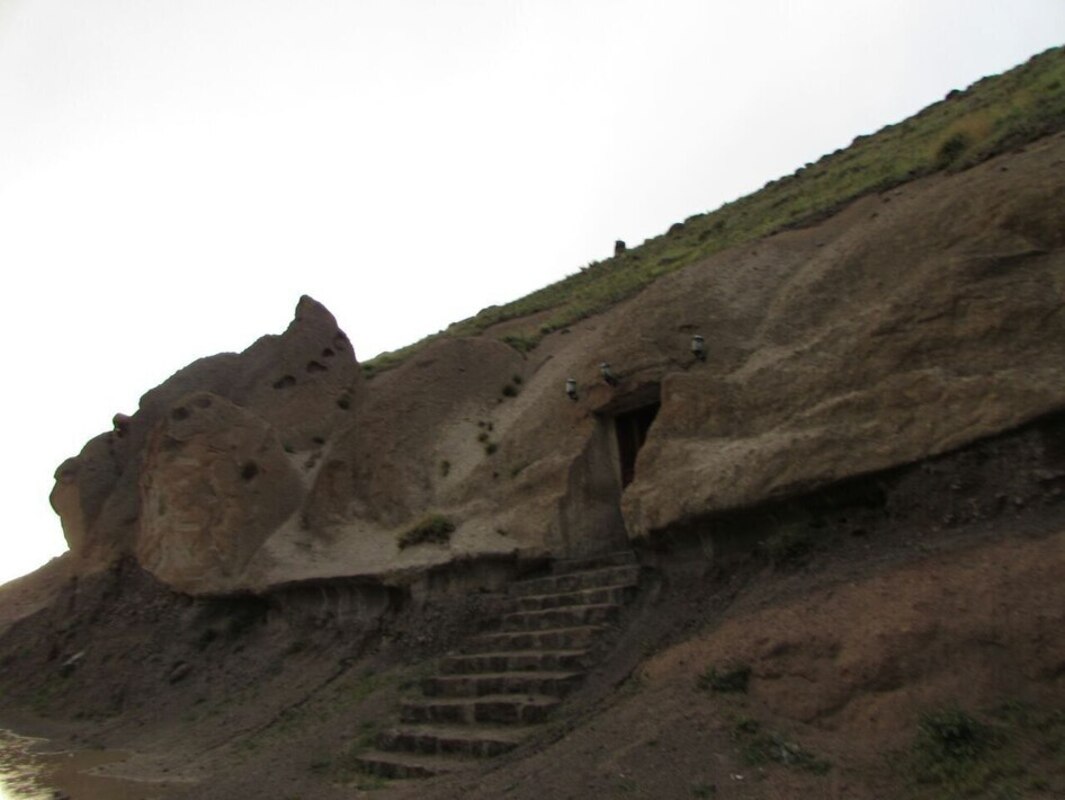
x: 857, y: 620
x: 843, y: 668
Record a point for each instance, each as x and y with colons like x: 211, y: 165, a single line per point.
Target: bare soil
x: 864, y: 608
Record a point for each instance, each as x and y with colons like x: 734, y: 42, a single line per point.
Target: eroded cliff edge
x: 910, y: 324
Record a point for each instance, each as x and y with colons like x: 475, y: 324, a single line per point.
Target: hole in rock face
x: 344, y: 402
x: 284, y: 382
x: 631, y: 429
x: 316, y: 366
x: 249, y: 471
x: 318, y: 440
x: 328, y: 353
x: 179, y: 413
x: 203, y: 402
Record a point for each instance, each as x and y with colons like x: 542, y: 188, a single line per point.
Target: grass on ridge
x: 993, y: 115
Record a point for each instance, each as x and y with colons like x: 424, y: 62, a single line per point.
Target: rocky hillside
x: 909, y: 324
x: 837, y: 452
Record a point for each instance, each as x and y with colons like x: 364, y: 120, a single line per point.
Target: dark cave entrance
x: 631, y: 428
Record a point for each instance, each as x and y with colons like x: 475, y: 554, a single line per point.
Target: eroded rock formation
x: 909, y: 324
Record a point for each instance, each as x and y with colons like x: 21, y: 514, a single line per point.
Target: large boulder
x: 215, y: 484
x: 296, y: 389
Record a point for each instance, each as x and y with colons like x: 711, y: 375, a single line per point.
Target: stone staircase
x: 485, y: 700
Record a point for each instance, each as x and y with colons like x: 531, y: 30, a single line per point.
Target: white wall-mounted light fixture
x: 699, y: 347
x: 608, y: 374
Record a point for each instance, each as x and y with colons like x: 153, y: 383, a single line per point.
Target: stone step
x: 406, y: 765
x: 565, y: 617
x: 555, y: 684
x: 584, y: 597
x: 510, y: 709
x: 581, y: 636
x: 626, y: 575
x: 469, y: 742
x: 615, y: 559
x: 515, y: 661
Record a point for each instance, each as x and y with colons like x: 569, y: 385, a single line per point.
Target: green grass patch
x: 430, y: 529
x: 992, y: 116
x: 1013, y: 751
x: 759, y: 747
x: 731, y: 679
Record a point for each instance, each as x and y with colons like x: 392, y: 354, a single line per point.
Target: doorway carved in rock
x: 590, y: 517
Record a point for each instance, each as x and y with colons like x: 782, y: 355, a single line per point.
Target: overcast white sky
x: 173, y: 175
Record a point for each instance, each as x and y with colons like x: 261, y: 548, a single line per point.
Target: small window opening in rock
x: 344, y: 402
x: 249, y: 471
x: 328, y: 353
x: 632, y: 428
x: 284, y: 382
x: 316, y: 366
x: 179, y: 413
x: 318, y: 440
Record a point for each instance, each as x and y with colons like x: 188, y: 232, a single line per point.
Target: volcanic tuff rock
x: 911, y: 323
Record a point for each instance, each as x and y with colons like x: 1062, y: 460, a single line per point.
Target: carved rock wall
x: 909, y: 324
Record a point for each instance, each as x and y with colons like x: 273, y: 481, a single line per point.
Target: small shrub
x: 951, y: 149
x: 953, y: 735
x: 746, y: 725
x: 509, y: 390
x: 962, y: 757
x: 523, y: 344
x: 482, y: 437
x: 490, y: 448
x: 445, y: 468
x: 950, y: 749
x: 731, y: 680
x: 758, y: 747
x: 432, y: 529
x: 516, y: 379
